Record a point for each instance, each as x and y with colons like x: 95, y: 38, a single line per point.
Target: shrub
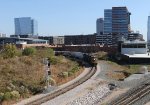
x: 15, y: 94
x: 53, y: 60
x: 63, y: 74
x: 7, y: 96
x: 75, y: 69
x: 1, y: 96
x: 50, y: 52
x: 29, y: 51
x: 52, y: 81
x: 70, y: 73
x: 10, y: 51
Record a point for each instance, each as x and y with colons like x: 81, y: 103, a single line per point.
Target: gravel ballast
x: 92, y: 97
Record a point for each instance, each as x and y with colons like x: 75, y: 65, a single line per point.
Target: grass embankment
x: 22, y: 74
x: 120, y: 71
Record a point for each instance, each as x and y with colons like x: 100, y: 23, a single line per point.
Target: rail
x: 63, y: 90
x: 134, y: 96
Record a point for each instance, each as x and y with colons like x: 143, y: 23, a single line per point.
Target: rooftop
x: 134, y: 42
x: 147, y: 55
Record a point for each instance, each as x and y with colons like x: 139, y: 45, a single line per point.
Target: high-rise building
x: 120, y: 20
x: 99, y: 30
x: 116, y: 25
x: 105, y: 37
x: 148, y: 30
x: 25, y: 26
x: 107, y: 21
x: 99, y: 26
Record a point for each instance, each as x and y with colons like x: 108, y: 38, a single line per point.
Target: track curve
x: 63, y: 90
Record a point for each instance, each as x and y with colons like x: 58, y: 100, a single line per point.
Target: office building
x: 49, y: 38
x: 15, y: 40
x: 120, y: 21
x: 135, y: 51
x: 107, y: 21
x: 105, y: 38
x: 148, y: 30
x: 99, y: 29
x: 120, y: 24
x: 25, y: 26
x: 116, y: 25
x: 58, y: 40
x: 2, y: 35
x: 135, y: 36
x: 99, y: 26
x: 80, y: 39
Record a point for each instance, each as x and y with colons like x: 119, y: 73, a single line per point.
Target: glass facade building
x: 120, y: 20
x: 99, y: 30
x: 99, y: 26
x: 148, y: 30
x: 107, y: 21
x: 116, y: 25
x: 25, y: 26
x: 105, y: 38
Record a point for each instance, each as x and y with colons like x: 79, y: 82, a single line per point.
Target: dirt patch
x: 116, y: 76
x: 114, y: 94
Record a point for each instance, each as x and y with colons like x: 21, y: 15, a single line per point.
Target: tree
x: 10, y: 51
x: 29, y: 51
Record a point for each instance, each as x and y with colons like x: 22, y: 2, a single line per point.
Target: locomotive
x: 90, y: 58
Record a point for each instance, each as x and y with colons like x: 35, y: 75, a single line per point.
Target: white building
x: 2, y: 35
x: 134, y: 47
x: 135, y: 52
x: 58, y: 40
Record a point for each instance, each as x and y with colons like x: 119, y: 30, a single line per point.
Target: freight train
x: 90, y: 58
x: 80, y: 57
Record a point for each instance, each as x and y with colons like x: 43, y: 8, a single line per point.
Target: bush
x: 15, y: 94
x: 53, y: 60
x: 7, y: 96
x: 1, y: 96
x: 70, y: 73
x: 63, y: 74
x: 50, y: 52
x: 75, y: 69
x: 52, y: 81
x: 10, y: 51
x: 29, y: 51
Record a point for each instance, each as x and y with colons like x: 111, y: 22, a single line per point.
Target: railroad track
x: 63, y: 90
x: 133, y: 96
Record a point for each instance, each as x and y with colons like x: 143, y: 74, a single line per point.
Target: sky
x: 69, y: 17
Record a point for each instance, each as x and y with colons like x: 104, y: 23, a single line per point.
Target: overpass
x: 87, y: 49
